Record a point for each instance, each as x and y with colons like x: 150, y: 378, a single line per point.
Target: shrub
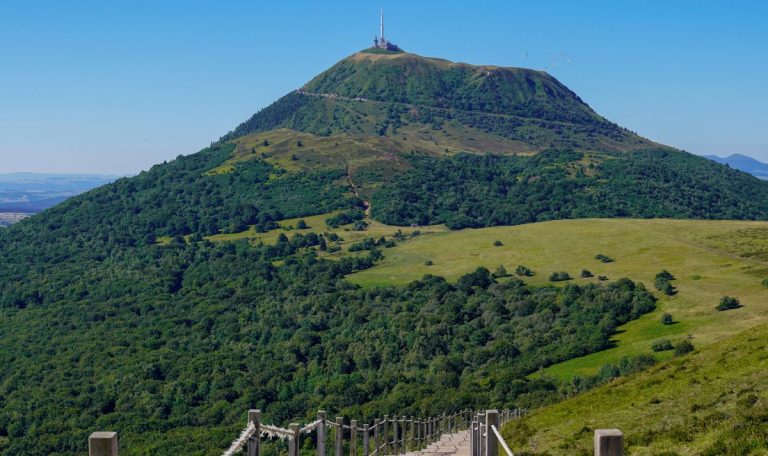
x: 585, y: 273
x: 428, y: 263
x: 728, y: 303
x: 603, y: 258
x: 360, y: 226
x: 559, y: 276
x: 683, y: 347
x: 501, y: 271
x: 301, y: 225
x: 662, y: 345
x: 497, y: 243
x: 661, y: 282
x: 602, y: 278
x: 765, y: 283
x: 667, y: 319
x: 524, y: 271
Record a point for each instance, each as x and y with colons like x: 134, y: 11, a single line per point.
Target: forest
x: 469, y: 190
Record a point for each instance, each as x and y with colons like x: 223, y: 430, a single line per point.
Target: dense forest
x: 477, y: 191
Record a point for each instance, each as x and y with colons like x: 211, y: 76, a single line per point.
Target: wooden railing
x: 385, y: 436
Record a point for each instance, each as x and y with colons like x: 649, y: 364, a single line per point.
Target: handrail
x: 501, y: 441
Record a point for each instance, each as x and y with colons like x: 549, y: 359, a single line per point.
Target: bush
x: 360, y: 226
x: 667, y: 319
x: 559, y: 276
x: 428, y: 263
x: 662, y: 345
x: 524, y: 271
x: 602, y: 278
x: 603, y: 258
x: 497, y: 243
x: 683, y: 347
x: 301, y: 225
x: 728, y: 303
x: 345, y: 218
x: 765, y: 283
x: 501, y: 271
x: 585, y: 273
x: 662, y: 283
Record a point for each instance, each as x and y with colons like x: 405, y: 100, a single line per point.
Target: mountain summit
x: 475, y: 108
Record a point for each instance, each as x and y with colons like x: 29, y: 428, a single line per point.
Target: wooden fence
x: 390, y: 435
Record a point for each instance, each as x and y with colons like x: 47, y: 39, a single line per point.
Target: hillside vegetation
x: 713, y: 402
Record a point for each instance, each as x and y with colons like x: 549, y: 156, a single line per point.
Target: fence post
x: 481, y: 431
x: 353, y: 438
x: 403, y: 434
x: 339, y: 434
x: 102, y: 444
x: 394, y: 435
x: 320, y: 433
x: 254, y: 416
x: 609, y: 442
x: 366, y: 438
x: 376, y: 437
x: 293, y: 442
x: 411, y: 433
x: 385, y: 435
x: 472, y: 439
x: 492, y: 444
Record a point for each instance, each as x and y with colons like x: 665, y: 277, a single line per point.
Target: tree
x: 301, y: 225
x: 667, y: 319
x: 265, y: 143
x: 497, y: 243
x: 728, y: 303
x: 299, y: 144
x: 585, y: 273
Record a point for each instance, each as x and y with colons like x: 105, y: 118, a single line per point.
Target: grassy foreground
x: 712, y: 402
x: 708, y: 258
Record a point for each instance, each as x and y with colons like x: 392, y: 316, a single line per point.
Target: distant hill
x: 743, y: 163
x: 35, y: 192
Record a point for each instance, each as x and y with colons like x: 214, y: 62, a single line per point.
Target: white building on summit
x: 379, y: 42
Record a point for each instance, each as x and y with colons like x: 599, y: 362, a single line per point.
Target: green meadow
x: 709, y: 259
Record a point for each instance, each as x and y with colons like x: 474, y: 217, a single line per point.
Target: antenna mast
x: 381, y: 34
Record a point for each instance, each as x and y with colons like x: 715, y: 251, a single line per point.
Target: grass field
x: 708, y: 258
x: 712, y: 402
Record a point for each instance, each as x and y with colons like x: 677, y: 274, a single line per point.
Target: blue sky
x: 117, y: 86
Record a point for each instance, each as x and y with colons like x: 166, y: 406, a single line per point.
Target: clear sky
x: 116, y: 86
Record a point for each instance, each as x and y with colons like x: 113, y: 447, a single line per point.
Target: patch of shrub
x: 524, y: 271
x: 602, y: 278
x: 301, y: 225
x: 345, y: 218
x: 501, y: 271
x: 497, y: 243
x: 662, y: 345
x: 667, y: 319
x: 728, y: 303
x: 765, y: 283
x: 428, y: 263
x: 683, y: 347
x: 559, y: 276
x: 603, y: 258
x: 585, y: 274
x: 662, y: 283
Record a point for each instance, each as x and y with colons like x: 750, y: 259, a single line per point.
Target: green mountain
x: 166, y: 304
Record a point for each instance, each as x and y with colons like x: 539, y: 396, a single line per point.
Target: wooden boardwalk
x: 448, y: 445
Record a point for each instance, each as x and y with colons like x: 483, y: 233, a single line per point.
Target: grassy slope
x: 709, y: 258
x: 711, y: 402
